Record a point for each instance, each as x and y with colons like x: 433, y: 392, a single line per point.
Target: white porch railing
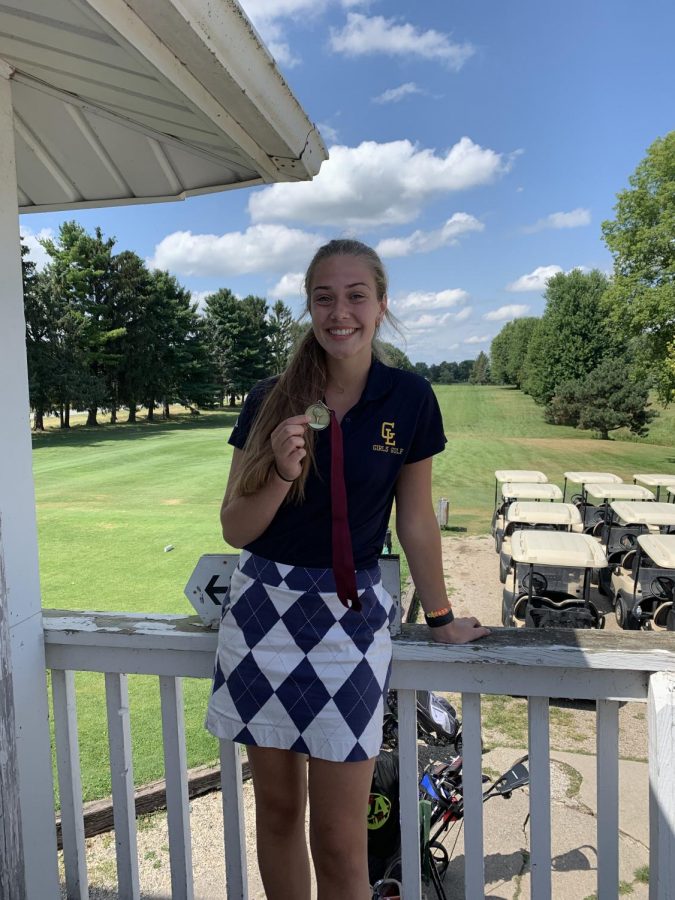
x: 590, y: 665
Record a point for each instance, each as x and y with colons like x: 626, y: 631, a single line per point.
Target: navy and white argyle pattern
x: 297, y: 670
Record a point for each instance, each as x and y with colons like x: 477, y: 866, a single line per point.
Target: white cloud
x: 36, y: 252
x: 512, y: 311
x: 289, y: 285
x: 266, y: 16
x: 377, y: 184
x: 394, y: 95
x: 364, y: 36
x: 269, y: 10
x: 423, y: 300
x: 428, y: 322
x: 464, y: 314
x: 327, y: 132
x: 261, y: 248
x: 535, y: 281
x: 577, y: 218
x: 475, y: 339
x: 426, y: 241
x: 282, y: 53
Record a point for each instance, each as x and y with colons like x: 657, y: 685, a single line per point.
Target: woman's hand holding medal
x: 288, y: 439
x: 288, y: 445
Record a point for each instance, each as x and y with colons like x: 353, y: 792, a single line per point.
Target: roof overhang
x: 140, y: 101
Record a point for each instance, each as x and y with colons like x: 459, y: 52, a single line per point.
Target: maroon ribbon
x: 343, y: 555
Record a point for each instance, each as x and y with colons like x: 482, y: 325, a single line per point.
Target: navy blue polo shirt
x: 396, y: 421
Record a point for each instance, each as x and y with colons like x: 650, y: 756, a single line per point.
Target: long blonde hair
x: 303, y: 382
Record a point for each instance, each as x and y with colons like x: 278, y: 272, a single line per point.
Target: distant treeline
x: 104, y: 333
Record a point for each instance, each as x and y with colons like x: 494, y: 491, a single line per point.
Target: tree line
x: 603, y: 343
x: 104, y: 333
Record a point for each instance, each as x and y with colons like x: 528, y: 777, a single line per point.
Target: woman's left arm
x: 420, y: 537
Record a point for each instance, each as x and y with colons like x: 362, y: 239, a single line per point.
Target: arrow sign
x: 209, y: 583
x: 213, y: 592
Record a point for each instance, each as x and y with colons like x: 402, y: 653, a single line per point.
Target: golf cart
x: 551, y: 580
x: 627, y: 521
x: 595, y: 508
x: 514, y: 476
x: 528, y: 514
x: 643, y: 584
x: 584, y: 478
x: 655, y: 481
x: 525, y: 490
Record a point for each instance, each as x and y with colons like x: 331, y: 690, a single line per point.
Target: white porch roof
x: 137, y: 101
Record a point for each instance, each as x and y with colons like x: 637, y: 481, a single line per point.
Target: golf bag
x: 384, y: 827
x: 437, y: 722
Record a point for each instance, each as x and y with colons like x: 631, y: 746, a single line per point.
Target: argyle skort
x: 295, y: 669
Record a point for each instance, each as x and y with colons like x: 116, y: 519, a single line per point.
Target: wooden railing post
x: 661, y: 724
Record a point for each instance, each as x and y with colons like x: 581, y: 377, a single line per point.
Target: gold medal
x: 318, y: 415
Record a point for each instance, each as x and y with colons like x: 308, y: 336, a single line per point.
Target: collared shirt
x: 396, y: 422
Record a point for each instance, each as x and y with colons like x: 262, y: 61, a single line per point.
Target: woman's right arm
x: 245, y: 518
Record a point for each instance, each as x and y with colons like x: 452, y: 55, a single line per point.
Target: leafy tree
x: 281, y: 336
x: 641, y: 298
x: 40, y: 326
x: 238, y: 334
x: 82, y: 279
x: 177, y: 362
x: 604, y: 400
x: 422, y: 369
x: 135, y: 347
x: 572, y: 337
x: 508, y: 351
x: 480, y: 372
x: 396, y: 357
x: 464, y: 370
x: 450, y: 372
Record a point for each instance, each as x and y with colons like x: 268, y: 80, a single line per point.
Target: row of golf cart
x: 619, y: 536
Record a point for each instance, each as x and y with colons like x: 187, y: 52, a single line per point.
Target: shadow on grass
x: 84, y: 436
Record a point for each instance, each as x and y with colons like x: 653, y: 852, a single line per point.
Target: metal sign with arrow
x: 210, y: 581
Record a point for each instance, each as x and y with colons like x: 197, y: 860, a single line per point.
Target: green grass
x: 109, y: 500
x: 492, y: 428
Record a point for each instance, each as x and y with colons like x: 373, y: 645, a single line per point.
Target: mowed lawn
x: 492, y: 428
x: 111, y: 499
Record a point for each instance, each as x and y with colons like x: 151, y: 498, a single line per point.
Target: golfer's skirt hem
x: 295, y: 669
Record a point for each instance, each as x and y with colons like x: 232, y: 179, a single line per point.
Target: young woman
x: 304, y: 652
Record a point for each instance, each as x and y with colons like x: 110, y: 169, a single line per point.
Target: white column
x: 661, y: 730
x: 17, y: 511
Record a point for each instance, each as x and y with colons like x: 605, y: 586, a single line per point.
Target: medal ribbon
x: 343, y: 555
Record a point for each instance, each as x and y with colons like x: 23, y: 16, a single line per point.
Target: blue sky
x: 477, y: 145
